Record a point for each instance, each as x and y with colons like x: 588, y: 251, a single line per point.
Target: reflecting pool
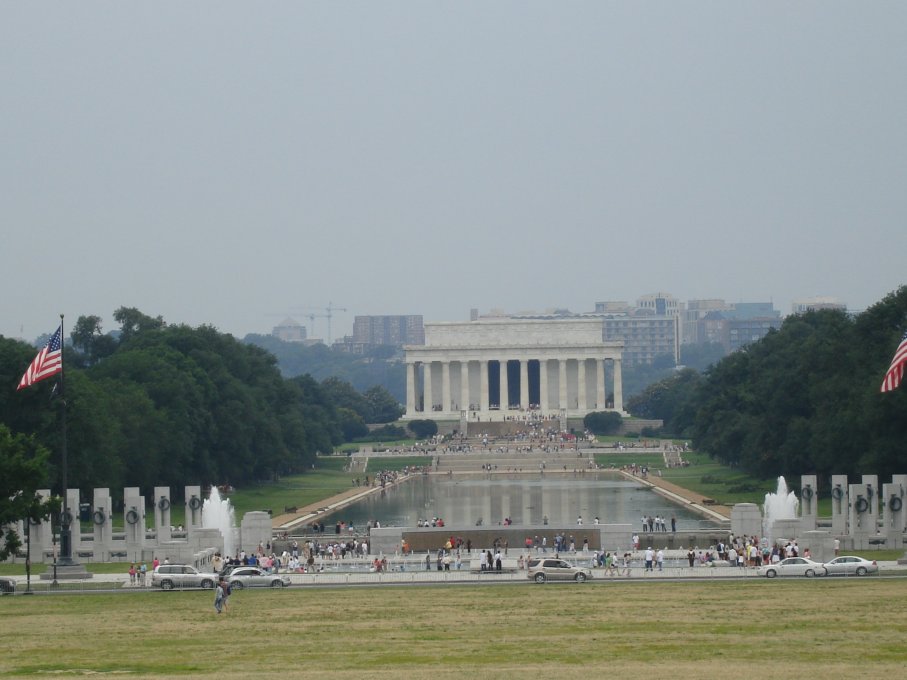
x: 465, y: 500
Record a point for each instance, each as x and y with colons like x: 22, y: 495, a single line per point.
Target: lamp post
x: 53, y: 533
x: 28, y: 555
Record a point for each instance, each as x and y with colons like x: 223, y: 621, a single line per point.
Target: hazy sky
x: 225, y: 162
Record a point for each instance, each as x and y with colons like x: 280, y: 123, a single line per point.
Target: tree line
x: 157, y: 404
x: 804, y: 399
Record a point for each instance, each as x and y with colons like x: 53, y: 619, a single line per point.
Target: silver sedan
x: 248, y: 577
x: 793, y: 566
x: 851, y: 565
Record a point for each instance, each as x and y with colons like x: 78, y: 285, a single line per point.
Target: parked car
x: 851, y: 565
x: 543, y: 569
x: 7, y: 586
x: 793, y: 566
x: 248, y: 577
x: 170, y: 576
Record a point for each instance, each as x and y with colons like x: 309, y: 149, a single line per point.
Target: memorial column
x: 411, y: 388
x: 445, y: 385
x: 618, y: 387
x: 524, y: 384
x: 427, y: 399
x: 543, y: 385
x: 581, y: 384
x: 464, y: 385
x: 483, y: 385
x: 600, y: 398
x: 562, y: 383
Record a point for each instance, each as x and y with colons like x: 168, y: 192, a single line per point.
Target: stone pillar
x: 427, y: 399
x: 839, y: 503
x: 618, y: 387
x: 746, y: 520
x: 102, y: 521
x: 562, y: 384
x: 193, y: 496
x: 464, y: 385
x: 871, y: 483
x: 524, y: 384
x: 898, y: 521
x: 75, y: 533
x: 505, y: 387
x: 134, y: 522
x: 600, y: 397
x: 809, y: 501
x: 543, y: 385
x: 162, y: 513
x: 41, y: 535
x: 581, y: 384
x: 483, y: 385
x: 893, y: 509
x: 254, y: 530
x: 411, y: 389
x: 860, y: 512
x: 445, y: 386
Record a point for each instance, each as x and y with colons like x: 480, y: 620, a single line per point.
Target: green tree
x: 385, y: 409
x: 423, y: 429
x: 88, y: 338
x: 24, y: 465
x: 352, y: 424
x: 132, y: 322
x: 602, y: 422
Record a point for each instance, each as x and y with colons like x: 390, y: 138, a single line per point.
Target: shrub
x: 423, y: 429
x: 602, y: 422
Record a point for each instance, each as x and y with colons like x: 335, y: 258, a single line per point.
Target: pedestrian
x: 219, y: 598
x: 227, y: 592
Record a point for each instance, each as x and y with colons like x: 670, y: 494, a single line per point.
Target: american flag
x: 896, y: 370
x: 49, y: 361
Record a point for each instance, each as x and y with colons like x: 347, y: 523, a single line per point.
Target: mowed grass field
x: 784, y: 628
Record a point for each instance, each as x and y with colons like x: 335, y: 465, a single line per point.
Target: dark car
x: 7, y: 586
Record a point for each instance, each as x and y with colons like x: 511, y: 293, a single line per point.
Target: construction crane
x: 312, y: 318
x: 330, y: 309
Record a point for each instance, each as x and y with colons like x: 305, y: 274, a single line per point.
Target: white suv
x: 542, y: 569
x: 170, y: 576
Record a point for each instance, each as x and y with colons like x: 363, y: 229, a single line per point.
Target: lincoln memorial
x: 494, y: 368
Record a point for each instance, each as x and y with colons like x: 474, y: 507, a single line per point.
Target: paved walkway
x: 680, y: 494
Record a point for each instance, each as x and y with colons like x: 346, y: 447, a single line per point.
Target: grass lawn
x: 815, y: 628
x: 718, y: 481
x: 327, y: 479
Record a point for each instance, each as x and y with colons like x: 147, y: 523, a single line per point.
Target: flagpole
x: 67, y: 517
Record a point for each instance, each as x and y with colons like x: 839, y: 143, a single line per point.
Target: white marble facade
x: 495, y: 368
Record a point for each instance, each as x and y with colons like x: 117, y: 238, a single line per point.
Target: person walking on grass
x: 219, y: 597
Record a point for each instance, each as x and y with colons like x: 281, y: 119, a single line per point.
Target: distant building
x: 388, y: 330
x: 737, y: 325
x: 612, y: 307
x: 645, y: 335
x: 743, y: 332
x: 289, y: 330
x: 814, y: 304
x: 696, y: 311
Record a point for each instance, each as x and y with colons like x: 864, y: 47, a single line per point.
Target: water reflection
x: 463, y: 501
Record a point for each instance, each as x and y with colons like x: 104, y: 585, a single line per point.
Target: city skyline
x: 226, y: 167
